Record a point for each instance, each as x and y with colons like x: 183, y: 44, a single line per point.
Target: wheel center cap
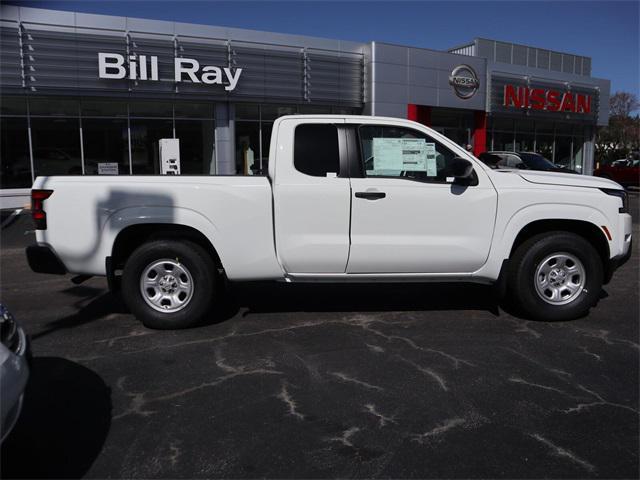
x: 168, y: 283
x: 558, y: 276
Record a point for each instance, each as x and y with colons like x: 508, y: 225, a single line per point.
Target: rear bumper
x: 42, y: 259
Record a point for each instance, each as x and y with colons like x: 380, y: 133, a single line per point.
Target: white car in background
x: 14, y: 370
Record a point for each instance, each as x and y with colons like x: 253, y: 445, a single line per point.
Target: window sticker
x: 404, y: 154
x: 432, y: 167
x: 387, y: 154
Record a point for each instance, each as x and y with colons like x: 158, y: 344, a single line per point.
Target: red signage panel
x: 548, y: 99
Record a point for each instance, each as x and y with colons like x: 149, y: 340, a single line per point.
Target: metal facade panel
x: 519, y: 55
x: 568, y: 62
x: 555, y: 61
x: 503, y: 52
x: 543, y: 59
x: 61, y: 57
x: 10, y: 62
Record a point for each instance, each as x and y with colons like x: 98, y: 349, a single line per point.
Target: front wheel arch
x: 587, y: 230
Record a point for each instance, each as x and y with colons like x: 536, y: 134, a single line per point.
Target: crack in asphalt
x: 346, y: 378
x: 382, y: 419
x: 564, y: 453
x: 601, y: 401
x: 537, y: 385
x: 139, y: 399
x: 439, y: 430
x: 288, y: 400
x: 345, y: 438
x: 428, y: 372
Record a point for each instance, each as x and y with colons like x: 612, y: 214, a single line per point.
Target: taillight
x: 37, y: 208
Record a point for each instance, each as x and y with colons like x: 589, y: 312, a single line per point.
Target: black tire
x: 198, y: 264
x: 522, y: 276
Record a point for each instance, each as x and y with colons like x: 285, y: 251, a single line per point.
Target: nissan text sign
x: 546, y: 99
x: 113, y: 66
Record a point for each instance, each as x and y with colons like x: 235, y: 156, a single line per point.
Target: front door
x: 407, y: 215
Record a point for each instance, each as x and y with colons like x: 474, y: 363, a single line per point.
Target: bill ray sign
x: 139, y: 67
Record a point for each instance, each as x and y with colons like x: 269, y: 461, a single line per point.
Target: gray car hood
x: 567, y: 179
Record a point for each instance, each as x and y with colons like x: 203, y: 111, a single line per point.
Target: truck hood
x: 567, y: 179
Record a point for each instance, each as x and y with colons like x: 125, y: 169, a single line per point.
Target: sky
x: 606, y: 31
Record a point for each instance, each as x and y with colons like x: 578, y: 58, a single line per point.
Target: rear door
x: 311, y: 191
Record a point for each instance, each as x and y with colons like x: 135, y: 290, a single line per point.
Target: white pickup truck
x: 346, y: 199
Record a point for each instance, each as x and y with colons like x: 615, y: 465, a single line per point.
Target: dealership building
x: 84, y: 94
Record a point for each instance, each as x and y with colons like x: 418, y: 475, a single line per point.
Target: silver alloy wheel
x: 560, y: 278
x: 166, y: 285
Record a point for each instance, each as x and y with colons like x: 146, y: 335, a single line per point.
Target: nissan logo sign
x: 464, y: 81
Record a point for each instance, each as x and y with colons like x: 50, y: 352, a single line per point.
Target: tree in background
x: 622, y: 136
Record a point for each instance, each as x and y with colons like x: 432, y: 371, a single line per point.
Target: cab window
x: 389, y: 151
x: 316, y: 151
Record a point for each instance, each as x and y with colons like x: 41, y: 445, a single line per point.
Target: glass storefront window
x: 247, y: 111
x: 503, y: 141
x: 247, y: 148
x: 145, y: 134
x: 105, y: 141
x: 271, y: 112
x: 13, y: 106
x: 544, y: 146
x: 194, y: 110
x: 197, y: 154
x: 15, y: 161
x: 54, y: 107
x: 151, y: 109
x: 267, y: 129
x: 577, y: 161
x: 103, y: 108
x: 562, y: 156
x: 56, y: 146
x: 525, y: 135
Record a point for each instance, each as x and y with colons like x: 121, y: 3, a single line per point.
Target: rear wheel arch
x: 133, y: 236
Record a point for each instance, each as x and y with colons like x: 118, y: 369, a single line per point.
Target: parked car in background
x: 14, y: 369
x: 522, y: 160
x: 625, y: 171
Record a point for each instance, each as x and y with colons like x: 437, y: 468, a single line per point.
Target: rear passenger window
x: 316, y: 150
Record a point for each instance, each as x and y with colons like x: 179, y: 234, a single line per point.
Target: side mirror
x: 462, y: 169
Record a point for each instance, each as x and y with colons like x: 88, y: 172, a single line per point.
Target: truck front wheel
x: 555, y: 276
x: 169, y: 284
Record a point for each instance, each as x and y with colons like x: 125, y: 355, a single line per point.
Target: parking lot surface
x: 417, y: 380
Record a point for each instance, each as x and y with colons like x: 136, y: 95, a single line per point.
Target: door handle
x: 371, y: 195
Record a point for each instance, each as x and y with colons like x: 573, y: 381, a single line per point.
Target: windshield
x: 535, y: 161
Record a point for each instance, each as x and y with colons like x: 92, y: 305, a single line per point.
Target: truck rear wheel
x: 555, y: 276
x: 169, y: 284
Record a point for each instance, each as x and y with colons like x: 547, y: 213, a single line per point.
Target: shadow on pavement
x: 99, y: 307
x: 278, y: 297
x: 64, y: 422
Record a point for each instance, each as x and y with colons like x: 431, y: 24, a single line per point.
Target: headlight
x: 10, y: 333
x: 622, y: 195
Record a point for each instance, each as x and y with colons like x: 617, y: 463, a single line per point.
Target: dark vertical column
x: 419, y: 113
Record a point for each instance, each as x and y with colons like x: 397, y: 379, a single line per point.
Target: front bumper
x: 618, y: 261
x: 42, y: 259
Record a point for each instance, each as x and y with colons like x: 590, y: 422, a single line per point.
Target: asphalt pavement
x: 292, y: 381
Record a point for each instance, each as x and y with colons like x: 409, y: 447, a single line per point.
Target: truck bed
x: 86, y: 213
